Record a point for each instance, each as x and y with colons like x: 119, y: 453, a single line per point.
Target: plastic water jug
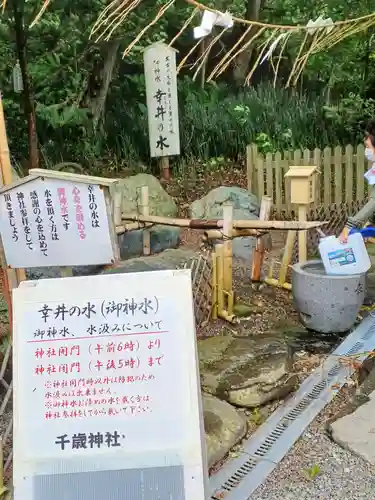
x: 348, y: 258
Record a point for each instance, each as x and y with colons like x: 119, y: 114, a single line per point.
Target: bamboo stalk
x: 227, y: 247
x: 216, y: 234
x: 66, y: 272
x: 214, y: 286
x: 220, y: 278
x: 145, y: 208
x: 302, y: 236
x: 287, y: 257
x: 259, y: 250
x: 217, y: 224
x: 274, y: 282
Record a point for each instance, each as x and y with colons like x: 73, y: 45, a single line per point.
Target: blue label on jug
x: 342, y: 257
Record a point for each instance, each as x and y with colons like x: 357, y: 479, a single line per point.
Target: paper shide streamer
x: 270, y: 40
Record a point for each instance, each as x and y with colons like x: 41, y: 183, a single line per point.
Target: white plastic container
x: 348, y: 258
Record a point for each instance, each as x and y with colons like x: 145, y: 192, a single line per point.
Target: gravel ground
x: 341, y: 475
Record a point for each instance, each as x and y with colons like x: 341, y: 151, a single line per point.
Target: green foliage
x: 334, y: 98
x: 312, y: 472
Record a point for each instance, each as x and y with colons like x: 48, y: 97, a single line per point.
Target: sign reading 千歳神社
x: 106, y: 389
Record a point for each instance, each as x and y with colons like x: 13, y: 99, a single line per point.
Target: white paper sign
x: 105, y: 377
x: 162, y: 104
x: 50, y: 222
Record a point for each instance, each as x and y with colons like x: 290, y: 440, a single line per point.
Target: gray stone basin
x: 326, y: 303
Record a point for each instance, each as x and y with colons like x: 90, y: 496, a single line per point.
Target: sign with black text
x: 53, y: 222
x: 106, y: 382
x: 162, y: 104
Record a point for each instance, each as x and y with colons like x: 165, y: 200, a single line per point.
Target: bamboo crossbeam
x: 216, y: 234
x: 218, y: 224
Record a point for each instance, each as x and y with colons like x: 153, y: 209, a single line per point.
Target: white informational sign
x: 51, y: 222
x: 162, y: 104
x: 106, y: 379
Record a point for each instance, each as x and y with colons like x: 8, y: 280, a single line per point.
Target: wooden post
x: 259, y: 250
x: 302, y: 235
x: 251, y: 152
x: 12, y: 277
x: 165, y: 173
x: 145, y: 210
x: 117, y: 206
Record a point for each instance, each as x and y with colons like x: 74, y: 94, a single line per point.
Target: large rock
x: 246, y: 371
x: 245, y: 207
x: 36, y: 273
x: 160, y: 203
x: 355, y: 431
x: 224, y: 428
x: 170, y: 259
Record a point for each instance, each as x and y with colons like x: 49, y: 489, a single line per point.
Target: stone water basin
x: 326, y: 303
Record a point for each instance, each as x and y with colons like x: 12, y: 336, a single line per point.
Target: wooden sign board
x: 162, y: 104
x: 57, y: 220
x: 107, y: 399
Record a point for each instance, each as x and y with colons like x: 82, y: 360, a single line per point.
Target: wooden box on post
x: 302, y: 193
x: 52, y: 218
x: 302, y: 184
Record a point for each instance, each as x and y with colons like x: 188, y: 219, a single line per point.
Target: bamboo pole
x: 145, y: 209
x: 287, y: 257
x: 302, y: 235
x: 217, y: 234
x: 275, y: 282
x: 66, y: 272
x: 227, y: 247
x: 214, y: 286
x: 220, y: 278
x: 259, y: 250
x: 217, y: 224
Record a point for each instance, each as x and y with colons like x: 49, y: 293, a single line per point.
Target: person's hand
x: 343, y: 238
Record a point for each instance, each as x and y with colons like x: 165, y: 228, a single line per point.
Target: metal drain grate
x: 241, y: 476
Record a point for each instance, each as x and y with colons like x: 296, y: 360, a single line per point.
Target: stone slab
x: 224, y: 427
x: 356, y: 431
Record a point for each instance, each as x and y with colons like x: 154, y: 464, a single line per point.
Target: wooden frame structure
x: 222, y: 232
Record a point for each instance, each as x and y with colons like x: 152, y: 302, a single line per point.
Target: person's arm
x: 366, y: 213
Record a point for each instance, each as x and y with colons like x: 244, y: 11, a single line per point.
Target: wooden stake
x: 145, y: 209
x: 165, y: 173
x: 117, y: 207
x: 287, y: 257
x: 302, y: 235
x: 250, y: 162
x: 259, y: 250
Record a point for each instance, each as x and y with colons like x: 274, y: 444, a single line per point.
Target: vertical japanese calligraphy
x: 161, y: 90
x: 11, y: 218
x: 51, y: 222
